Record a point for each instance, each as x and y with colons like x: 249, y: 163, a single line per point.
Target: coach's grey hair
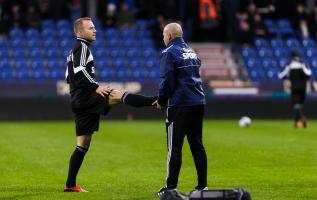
x: 174, y: 29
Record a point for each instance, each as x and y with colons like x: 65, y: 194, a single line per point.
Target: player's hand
x: 158, y: 106
x: 115, y: 97
x: 103, y: 90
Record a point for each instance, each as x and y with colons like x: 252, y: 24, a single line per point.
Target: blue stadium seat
x: 48, y: 33
x: 132, y: 53
x: 272, y: 74
x: 120, y: 62
x: 40, y: 74
x: 107, y: 74
x: 21, y: 63
x: 114, y: 42
x: 111, y: 33
x: 284, y: 27
x: 269, y: 63
x: 38, y: 64
x: 154, y: 73
x: 50, y: 43
x: 16, y: 33
x: 35, y: 53
x: 313, y: 62
x: 282, y: 62
x: 140, y: 33
x: 63, y: 23
x: 53, y: 53
x: 127, y: 33
x: 265, y: 52
x: 135, y: 63
x: 122, y: 73
x: 149, y: 52
x: 6, y: 74
x: 4, y: 53
x: 139, y: 74
x: 308, y: 43
x: 57, y: 74
x: 48, y: 24
x: 261, y: 43
x: 118, y: 52
x: 292, y: 42
x: 248, y: 52
x: 34, y: 42
x: 99, y: 43
x: 151, y: 63
x: 22, y: 74
x: 20, y: 53
x: 4, y: 43
x: 281, y: 52
x: 104, y: 63
x: 252, y: 62
x: 66, y: 43
x: 256, y: 74
x: 277, y: 42
x: 4, y: 63
x: 32, y: 33
x: 146, y: 42
x: 17, y: 42
x: 130, y: 43
x: 65, y: 32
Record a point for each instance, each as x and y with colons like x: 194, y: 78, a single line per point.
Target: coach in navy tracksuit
x: 182, y: 93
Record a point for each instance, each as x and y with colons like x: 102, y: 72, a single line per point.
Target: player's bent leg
x: 83, y: 143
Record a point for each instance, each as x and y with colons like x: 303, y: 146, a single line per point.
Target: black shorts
x: 87, y: 117
x: 298, y: 96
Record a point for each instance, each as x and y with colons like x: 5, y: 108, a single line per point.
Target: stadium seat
x: 36, y: 53
x: 265, y: 52
x: 292, y: 42
x: 4, y: 53
x: 6, y: 74
x: 17, y: 42
x: 281, y: 52
x: 122, y: 73
x: 16, y: 33
x: 256, y: 74
x: 277, y: 42
x: 40, y: 74
x: 139, y: 74
x: 260, y: 43
x: 48, y: 33
x: 63, y: 23
x: 22, y: 74
x: 57, y: 74
x: 38, y: 64
x: 20, y: 53
x: 48, y: 24
x: 34, y: 42
x: 248, y: 52
x: 154, y: 74
x: 269, y: 63
x: 308, y: 43
x: 282, y: 62
x: 53, y: 53
x: 32, y: 33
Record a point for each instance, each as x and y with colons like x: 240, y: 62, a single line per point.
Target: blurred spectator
x: 258, y: 26
x: 43, y: 6
x: 4, y: 15
x: 303, y: 28
x: 110, y: 18
x: 16, y: 17
x: 251, y: 11
x: 125, y: 17
x: 313, y: 23
x: 33, y: 18
x: 300, y: 14
x: 157, y: 29
x: 245, y: 33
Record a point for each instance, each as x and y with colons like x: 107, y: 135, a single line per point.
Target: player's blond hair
x: 78, y: 24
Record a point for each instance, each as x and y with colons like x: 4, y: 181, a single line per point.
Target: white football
x: 245, y: 121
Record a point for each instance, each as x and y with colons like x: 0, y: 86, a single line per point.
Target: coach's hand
x: 115, y: 97
x: 103, y: 90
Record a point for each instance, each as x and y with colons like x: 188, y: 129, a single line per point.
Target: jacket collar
x: 84, y: 40
x: 177, y: 40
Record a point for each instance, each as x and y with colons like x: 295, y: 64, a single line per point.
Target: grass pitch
x: 127, y: 160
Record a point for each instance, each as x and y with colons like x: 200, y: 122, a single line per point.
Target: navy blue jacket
x: 181, y: 84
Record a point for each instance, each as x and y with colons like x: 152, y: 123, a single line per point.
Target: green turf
x: 127, y: 160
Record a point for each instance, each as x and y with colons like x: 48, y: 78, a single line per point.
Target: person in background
x: 298, y: 73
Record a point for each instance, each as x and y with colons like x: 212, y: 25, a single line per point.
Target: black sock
x: 298, y: 111
x: 74, y: 164
x: 136, y: 100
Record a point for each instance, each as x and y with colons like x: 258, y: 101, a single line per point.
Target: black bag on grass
x: 173, y: 195
x: 226, y: 194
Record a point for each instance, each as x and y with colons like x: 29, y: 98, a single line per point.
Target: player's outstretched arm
x: 134, y: 100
